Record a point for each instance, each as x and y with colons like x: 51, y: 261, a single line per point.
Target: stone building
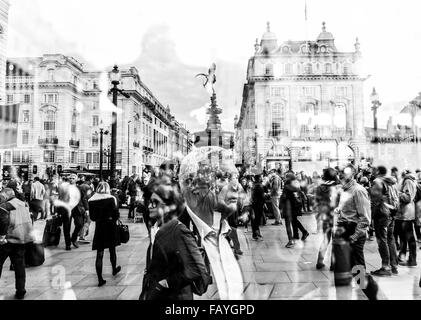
x: 62, y: 109
x: 4, y: 19
x: 302, y: 104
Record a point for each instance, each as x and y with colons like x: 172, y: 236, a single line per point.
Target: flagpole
x: 306, y: 20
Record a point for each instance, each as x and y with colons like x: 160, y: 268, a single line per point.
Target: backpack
x: 418, y: 194
x: 392, y: 194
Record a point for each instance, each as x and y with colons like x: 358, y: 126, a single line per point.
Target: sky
x: 171, y: 41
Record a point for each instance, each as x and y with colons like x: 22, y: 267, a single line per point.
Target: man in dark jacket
x: 292, y: 207
x: 381, y: 210
x: 174, y: 262
x: 257, y: 203
x: 132, y: 186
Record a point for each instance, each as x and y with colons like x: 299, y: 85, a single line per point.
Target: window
x: 49, y: 124
x: 328, y: 68
x: 73, y: 157
x: 25, y: 136
x: 74, y: 123
x: 27, y: 98
x: 25, y: 115
x: 7, y: 157
x: 277, y: 92
x: 269, y: 69
x: 94, y: 105
x: 94, y: 85
x: 341, y: 91
x: 51, y: 98
x: 49, y: 156
x: 95, y: 140
x: 10, y: 98
x: 308, y: 91
x: 308, y: 69
x: 347, y: 68
x: 278, y: 119
x: 25, y: 156
x: 288, y: 68
x: 88, y: 157
x: 95, y: 157
x: 16, y: 156
x: 95, y: 120
x: 51, y: 74
x: 118, y: 157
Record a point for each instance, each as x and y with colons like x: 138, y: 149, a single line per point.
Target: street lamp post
x: 128, y: 148
x: 115, y: 81
x: 101, y: 152
x: 376, y: 104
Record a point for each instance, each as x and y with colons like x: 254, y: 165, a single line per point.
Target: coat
x: 85, y: 192
x: 19, y: 226
x: 175, y: 257
x: 408, y: 191
x: 104, y: 211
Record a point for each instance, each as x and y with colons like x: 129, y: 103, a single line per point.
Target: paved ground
x: 270, y: 271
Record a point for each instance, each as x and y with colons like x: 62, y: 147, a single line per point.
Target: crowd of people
x: 363, y: 203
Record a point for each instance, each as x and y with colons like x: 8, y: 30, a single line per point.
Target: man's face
x: 346, y: 175
x: 72, y: 179
x: 233, y: 181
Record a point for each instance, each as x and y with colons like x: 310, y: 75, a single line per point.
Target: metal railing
x: 74, y: 143
x: 44, y: 141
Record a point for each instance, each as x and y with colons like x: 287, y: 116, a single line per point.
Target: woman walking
x: 174, y: 263
x: 104, y: 211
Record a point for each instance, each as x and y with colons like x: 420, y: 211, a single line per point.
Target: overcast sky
x: 171, y: 41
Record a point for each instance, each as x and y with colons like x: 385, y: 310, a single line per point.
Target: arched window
x: 340, y: 117
x: 328, y: 68
x: 269, y: 69
x: 308, y: 69
x: 278, y: 119
x: 49, y: 124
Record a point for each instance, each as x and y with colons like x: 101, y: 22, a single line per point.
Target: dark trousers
x: 37, y: 206
x: 357, y: 247
x: 327, y: 237
x: 67, y: 222
x: 132, y: 207
x: 384, y: 228
x: 407, y: 239
x: 16, y: 252
x: 417, y: 230
x: 256, y: 215
x: 292, y: 221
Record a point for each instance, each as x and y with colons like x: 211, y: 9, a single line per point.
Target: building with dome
x: 302, y: 104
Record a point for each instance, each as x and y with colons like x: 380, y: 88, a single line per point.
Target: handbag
x: 123, y: 233
x: 34, y: 254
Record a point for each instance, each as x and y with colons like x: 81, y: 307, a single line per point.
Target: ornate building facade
x: 62, y: 109
x: 4, y: 23
x: 302, y: 104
